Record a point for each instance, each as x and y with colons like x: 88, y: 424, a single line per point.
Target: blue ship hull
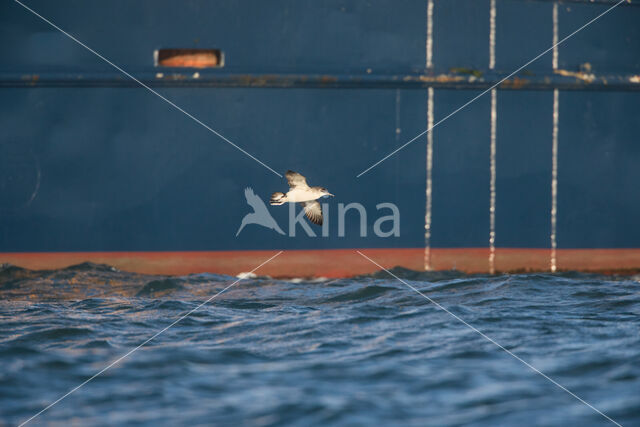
x: 92, y: 162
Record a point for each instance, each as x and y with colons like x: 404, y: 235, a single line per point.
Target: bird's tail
x: 278, y: 198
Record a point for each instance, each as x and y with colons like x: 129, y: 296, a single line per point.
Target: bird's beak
x: 329, y: 194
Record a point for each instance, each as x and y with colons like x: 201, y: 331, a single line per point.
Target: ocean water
x: 360, y: 351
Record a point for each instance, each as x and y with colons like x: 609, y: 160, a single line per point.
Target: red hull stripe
x: 335, y: 262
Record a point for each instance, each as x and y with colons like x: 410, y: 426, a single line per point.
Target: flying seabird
x: 300, y: 192
x: 260, y: 214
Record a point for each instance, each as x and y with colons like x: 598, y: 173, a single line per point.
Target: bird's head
x: 325, y: 192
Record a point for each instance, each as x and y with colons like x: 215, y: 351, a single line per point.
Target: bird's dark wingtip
x: 315, y: 220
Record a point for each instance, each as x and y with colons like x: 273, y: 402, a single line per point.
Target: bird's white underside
x: 302, y: 195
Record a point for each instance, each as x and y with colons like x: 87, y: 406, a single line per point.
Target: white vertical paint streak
x: 427, y: 219
x: 430, y: 121
x: 429, y: 47
x: 494, y: 121
x: 398, y: 130
x: 555, y: 37
x: 554, y: 178
x: 492, y: 35
x: 554, y: 149
x: 492, y: 191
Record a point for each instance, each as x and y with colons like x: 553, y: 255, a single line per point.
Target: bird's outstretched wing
x: 295, y: 179
x: 313, y: 211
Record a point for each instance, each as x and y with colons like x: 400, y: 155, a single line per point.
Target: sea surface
x: 362, y: 351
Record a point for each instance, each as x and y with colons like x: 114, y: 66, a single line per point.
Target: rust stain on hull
x: 580, y: 75
x: 515, y: 83
x: 440, y: 78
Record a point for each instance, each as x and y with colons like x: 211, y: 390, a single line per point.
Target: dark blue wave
x: 366, y: 350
